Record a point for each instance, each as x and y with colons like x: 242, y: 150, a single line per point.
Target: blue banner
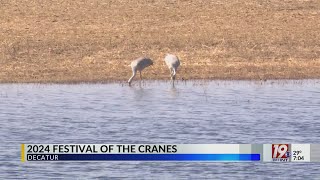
x: 143, y: 157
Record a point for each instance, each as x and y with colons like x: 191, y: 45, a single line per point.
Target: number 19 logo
x: 280, y: 152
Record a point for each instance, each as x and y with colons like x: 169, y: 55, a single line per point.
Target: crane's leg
x: 140, y: 76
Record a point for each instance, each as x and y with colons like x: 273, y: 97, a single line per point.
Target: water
x: 192, y: 112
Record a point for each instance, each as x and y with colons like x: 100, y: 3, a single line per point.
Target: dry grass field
x: 95, y: 40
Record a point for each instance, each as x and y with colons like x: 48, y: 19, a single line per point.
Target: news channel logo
x: 280, y: 152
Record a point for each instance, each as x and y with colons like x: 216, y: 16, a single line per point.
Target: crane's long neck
x: 133, y: 75
x: 173, y: 73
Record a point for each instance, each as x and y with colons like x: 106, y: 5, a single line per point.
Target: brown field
x: 95, y: 40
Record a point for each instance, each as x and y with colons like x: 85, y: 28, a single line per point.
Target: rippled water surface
x: 155, y: 112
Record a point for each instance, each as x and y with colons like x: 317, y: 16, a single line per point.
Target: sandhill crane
x: 138, y: 65
x: 173, y: 63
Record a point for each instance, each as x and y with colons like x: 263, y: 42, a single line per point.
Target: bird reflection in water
x: 174, y: 92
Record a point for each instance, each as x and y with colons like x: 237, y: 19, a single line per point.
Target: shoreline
x: 119, y: 72
x: 178, y: 81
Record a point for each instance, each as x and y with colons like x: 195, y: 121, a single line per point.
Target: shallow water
x: 192, y: 112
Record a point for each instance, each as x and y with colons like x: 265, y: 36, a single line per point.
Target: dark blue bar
x: 151, y: 157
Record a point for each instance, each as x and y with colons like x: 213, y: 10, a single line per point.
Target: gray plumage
x: 138, y: 65
x: 173, y: 63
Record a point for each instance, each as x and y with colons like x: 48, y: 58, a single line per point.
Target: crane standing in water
x: 173, y: 63
x: 138, y: 65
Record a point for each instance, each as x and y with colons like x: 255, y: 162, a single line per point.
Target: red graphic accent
x: 280, y: 150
